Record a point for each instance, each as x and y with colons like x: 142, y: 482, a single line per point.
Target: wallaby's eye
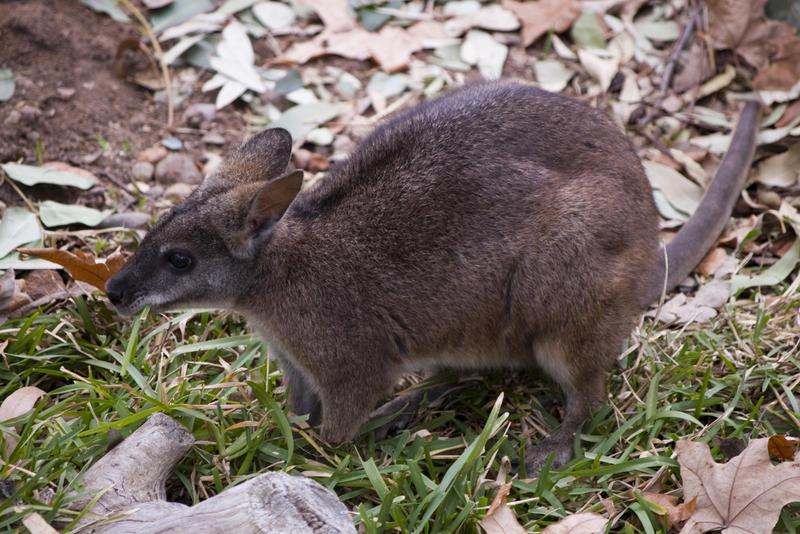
x: 179, y: 260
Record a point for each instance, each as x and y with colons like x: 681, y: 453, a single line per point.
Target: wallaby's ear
x: 262, y: 157
x: 270, y: 202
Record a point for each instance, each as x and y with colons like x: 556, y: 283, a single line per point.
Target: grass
x: 105, y: 375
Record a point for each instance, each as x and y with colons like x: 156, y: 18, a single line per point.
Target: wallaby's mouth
x: 128, y: 302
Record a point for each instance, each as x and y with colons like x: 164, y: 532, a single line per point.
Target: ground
x: 715, y: 382
x: 71, y: 102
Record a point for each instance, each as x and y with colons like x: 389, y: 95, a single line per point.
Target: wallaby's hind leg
x: 580, y: 369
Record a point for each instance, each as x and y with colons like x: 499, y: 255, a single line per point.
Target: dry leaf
x: 738, y: 230
x: 391, y: 47
x: 696, y: 69
x: 783, y: 72
x: 539, y: 17
x: 41, y: 282
x: 332, y: 13
x: 500, y: 519
x: 712, y: 262
x: 742, y: 496
x: 744, y: 28
x: 80, y: 265
x: 608, y: 504
x: 584, y: 523
x: 35, y: 523
x: 62, y: 166
x: 668, y: 503
x: 782, y: 170
x: 783, y: 448
x: 21, y: 401
x: 791, y: 113
x: 12, y: 297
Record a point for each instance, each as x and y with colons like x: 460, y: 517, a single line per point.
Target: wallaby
x: 498, y: 226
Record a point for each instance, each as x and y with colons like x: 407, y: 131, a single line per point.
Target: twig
x: 669, y: 68
x: 148, y: 31
x: 119, y: 183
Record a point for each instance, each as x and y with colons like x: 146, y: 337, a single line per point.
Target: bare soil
x: 70, y: 99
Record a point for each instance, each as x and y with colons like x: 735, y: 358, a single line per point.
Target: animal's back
x: 478, y: 223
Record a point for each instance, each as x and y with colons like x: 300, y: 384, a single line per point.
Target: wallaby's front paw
x: 336, y: 433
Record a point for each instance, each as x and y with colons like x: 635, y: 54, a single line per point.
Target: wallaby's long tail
x: 697, y: 236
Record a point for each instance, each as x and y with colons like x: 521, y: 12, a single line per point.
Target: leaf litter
x: 594, y: 58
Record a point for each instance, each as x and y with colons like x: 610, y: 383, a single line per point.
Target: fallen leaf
x: 791, y: 113
x: 481, y: 49
x: 492, y: 17
x: 696, y: 69
x: 36, y: 524
x: 744, y: 495
x: 780, y: 81
x: 391, y: 47
x: 782, y: 170
x: 583, y: 523
x: 552, y: 74
x: 333, y: 13
x: 744, y: 28
x: 301, y: 119
x: 109, y: 7
x: 48, y: 174
x: 179, y: 11
x: 7, y: 84
x: 155, y: 4
x: 713, y: 85
x: 712, y: 261
x: 17, y: 227
x: 698, y: 309
x: 681, y: 192
x: 274, y: 15
x: 782, y: 447
x: 53, y: 213
x: 771, y: 276
x: 19, y: 402
x: 500, y: 519
x: 587, y: 33
x: 539, y: 17
x: 11, y: 296
x: 600, y: 64
x: 41, y: 282
x: 234, y: 58
x: 608, y: 504
x: 658, y: 30
x: 63, y: 166
x: 80, y: 265
x: 670, y: 507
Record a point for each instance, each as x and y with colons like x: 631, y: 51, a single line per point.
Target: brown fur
x: 499, y: 226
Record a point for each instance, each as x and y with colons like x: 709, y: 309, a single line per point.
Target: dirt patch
x: 69, y: 101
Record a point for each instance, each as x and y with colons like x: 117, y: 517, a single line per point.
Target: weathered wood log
x: 132, y: 476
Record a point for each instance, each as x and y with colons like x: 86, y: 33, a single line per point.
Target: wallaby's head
x: 202, y: 252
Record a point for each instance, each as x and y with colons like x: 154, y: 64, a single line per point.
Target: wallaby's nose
x: 114, y: 293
